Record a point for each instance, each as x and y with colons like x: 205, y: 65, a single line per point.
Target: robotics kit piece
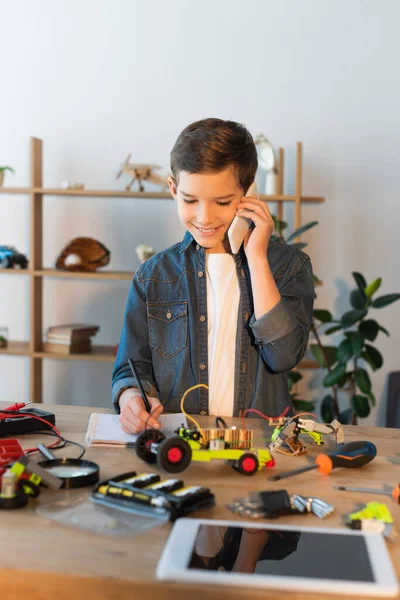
x: 174, y: 454
x: 288, y: 429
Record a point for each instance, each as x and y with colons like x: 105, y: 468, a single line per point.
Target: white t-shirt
x: 223, y: 297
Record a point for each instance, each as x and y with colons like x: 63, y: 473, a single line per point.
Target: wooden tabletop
x: 45, y: 559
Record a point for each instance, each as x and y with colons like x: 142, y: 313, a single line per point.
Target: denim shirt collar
x: 188, y: 239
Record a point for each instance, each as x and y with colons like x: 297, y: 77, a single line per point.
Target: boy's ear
x: 172, y: 186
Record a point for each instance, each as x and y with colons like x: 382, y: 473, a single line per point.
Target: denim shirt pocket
x: 167, y: 322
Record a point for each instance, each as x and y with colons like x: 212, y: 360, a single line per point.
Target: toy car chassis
x: 174, y: 454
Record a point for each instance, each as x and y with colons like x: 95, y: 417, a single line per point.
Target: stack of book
x: 72, y: 338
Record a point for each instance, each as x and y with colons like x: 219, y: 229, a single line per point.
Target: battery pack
x: 160, y: 498
x: 24, y: 423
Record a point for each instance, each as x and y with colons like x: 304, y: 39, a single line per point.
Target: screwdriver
x: 395, y: 493
x: 350, y: 456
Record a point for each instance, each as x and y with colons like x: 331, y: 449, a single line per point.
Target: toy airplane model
x: 142, y: 172
x: 288, y: 429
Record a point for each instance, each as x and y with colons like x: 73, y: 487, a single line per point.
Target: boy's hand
x: 134, y: 418
x: 256, y: 241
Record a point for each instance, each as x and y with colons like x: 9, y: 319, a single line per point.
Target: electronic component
x: 24, y: 423
x: 170, y: 497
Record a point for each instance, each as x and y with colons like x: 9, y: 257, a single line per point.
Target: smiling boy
x: 196, y: 313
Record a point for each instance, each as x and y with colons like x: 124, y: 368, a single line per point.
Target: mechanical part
x: 144, y: 443
x: 288, y: 429
x: 247, y: 464
x: 174, y: 455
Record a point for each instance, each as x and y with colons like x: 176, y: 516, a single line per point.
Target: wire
x: 15, y: 414
x: 64, y: 441
x: 185, y: 413
x: 260, y: 414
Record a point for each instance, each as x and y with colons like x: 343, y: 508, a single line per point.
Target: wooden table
x: 44, y: 559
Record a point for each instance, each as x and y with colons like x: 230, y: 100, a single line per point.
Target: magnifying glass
x: 74, y: 472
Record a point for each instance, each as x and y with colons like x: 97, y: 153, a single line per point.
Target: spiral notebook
x: 105, y: 429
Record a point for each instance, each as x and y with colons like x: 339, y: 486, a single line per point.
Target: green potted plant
x: 2, y: 173
x: 347, y: 364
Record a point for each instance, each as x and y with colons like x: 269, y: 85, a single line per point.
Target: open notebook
x: 105, y: 430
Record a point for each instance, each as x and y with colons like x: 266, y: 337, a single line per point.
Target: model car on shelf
x: 10, y: 258
x: 174, y: 454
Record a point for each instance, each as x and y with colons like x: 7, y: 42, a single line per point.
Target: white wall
x: 97, y: 79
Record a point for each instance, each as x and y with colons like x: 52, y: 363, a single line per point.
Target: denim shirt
x: 165, y: 330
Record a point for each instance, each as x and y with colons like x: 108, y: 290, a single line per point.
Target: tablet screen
x: 287, y: 553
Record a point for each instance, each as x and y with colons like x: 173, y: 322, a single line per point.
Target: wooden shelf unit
x: 37, y: 272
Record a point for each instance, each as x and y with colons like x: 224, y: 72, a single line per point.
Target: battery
x: 169, y: 498
x: 8, y: 485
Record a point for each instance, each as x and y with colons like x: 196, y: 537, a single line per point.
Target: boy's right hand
x: 133, y: 417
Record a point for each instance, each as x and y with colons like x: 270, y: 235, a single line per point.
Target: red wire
x: 6, y: 415
x: 258, y: 412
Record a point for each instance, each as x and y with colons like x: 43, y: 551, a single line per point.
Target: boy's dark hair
x: 212, y: 145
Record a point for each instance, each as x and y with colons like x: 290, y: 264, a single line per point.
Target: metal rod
x: 291, y: 473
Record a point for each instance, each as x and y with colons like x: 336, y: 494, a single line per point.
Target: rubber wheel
x: 174, y: 455
x: 247, y: 464
x: 143, y: 444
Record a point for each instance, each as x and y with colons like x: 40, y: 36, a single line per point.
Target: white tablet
x: 264, y: 555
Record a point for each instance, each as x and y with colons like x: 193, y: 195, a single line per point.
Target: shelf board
x: 308, y: 364
x: 14, y: 190
x: 16, y: 272
x: 121, y: 275
x: 103, y: 193
x: 16, y: 349
x: 158, y: 195
x: 98, y: 354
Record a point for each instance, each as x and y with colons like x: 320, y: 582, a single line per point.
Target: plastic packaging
x: 81, y: 512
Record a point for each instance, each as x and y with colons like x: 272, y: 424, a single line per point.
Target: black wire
x: 65, y: 443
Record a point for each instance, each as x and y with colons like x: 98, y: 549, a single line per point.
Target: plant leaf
x: 363, y: 381
x: 333, y: 329
x: 360, y: 281
x: 344, y: 379
x: 372, y: 398
x: 373, y: 357
x: 327, y: 412
x: 333, y: 376
x: 301, y: 230
x: 303, y: 405
x: 330, y: 352
x: 357, y: 341
x: 293, y: 377
x: 279, y: 225
x: 369, y: 329
x: 360, y: 405
x: 373, y: 287
x: 352, y: 316
x: 322, y: 315
x: 345, y: 416
x: 357, y: 299
x: 384, y: 330
x: 345, y: 351
x: 383, y: 301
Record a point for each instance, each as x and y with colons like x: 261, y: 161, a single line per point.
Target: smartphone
x: 240, y: 225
